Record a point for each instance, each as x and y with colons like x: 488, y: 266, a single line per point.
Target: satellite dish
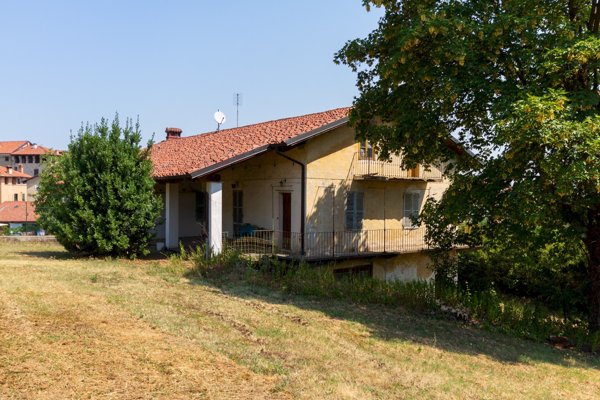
x: 219, y: 117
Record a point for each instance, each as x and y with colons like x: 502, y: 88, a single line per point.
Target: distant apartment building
x: 26, y: 158
x: 13, y: 184
x: 7, y: 149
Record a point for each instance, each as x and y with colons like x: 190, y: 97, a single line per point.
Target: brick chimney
x: 9, y: 170
x: 173, y: 133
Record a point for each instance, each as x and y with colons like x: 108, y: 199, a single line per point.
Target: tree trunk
x: 592, y: 243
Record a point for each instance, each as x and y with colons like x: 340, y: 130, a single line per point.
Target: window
x: 37, y: 159
x: 360, y: 271
x: 16, y: 197
x: 366, y: 150
x: 36, y: 172
x: 201, y: 208
x: 412, y: 208
x: 30, y: 159
x: 5, y: 158
x: 23, y: 196
x: 414, y: 172
x: 354, y: 210
x: 238, y: 211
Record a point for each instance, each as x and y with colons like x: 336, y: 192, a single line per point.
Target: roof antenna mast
x: 219, y: 118
x: 238, y: 100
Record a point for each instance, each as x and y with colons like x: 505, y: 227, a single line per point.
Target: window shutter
x: 359, y: 209
x: 412, y: 207
x: 406, y: 222
x: 349, y: 211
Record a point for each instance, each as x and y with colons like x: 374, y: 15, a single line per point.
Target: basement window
x: 360, y: 271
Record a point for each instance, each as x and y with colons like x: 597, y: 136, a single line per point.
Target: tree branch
x: 594, y: 20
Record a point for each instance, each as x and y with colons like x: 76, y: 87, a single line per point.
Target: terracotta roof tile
x: 185, y: 155
x: 15, y: 173
x: 29, y: 150
x: 11, y: 146
x: 14, y: 211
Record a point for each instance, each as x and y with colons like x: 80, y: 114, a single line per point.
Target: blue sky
x: 172, y: 63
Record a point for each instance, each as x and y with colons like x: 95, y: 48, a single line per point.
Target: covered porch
x: 230, y: 205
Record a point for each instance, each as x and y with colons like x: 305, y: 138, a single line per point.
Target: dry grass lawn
x: 113, y: 329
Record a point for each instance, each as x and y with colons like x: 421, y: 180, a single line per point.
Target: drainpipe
x: 302, y: 200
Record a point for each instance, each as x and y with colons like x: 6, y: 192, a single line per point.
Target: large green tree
x: 516, y: 82
x: 98, y: 198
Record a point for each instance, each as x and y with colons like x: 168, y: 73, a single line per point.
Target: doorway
x: 286, y: 220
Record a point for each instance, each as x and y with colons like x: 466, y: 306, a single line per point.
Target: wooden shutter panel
x: 406, y: 222
x: 359, y: 209
x: 349, y: 211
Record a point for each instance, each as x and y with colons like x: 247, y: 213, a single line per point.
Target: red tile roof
x: 15, y: 173
x: 30, y: 149
x: 11, y: 146
x: 14, y: 211
x: 182, y: 156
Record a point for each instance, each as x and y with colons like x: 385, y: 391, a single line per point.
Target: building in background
x: 13, y: 184
x: 18, y: 214
x: 28, y: 158
x: 7, y: 149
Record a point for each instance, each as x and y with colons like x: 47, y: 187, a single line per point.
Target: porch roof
x: 202, y: 154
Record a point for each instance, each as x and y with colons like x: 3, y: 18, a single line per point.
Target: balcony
x: 369, y: 167
x: 328, y: 245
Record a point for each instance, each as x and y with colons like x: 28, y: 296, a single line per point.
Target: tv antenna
x: 238, y: 100
x: 220, y: 118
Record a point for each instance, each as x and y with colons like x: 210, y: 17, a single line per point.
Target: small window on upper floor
x: 412, y: 208
x: 366, y: 150
x: 37, y: 159
x: 23, y: 196
x: 6, y: 158
x: 36, y: 172
x: 16, y: 197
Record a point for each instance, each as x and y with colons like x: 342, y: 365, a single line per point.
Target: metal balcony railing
x: 328, y: 245
x: 369, y: 167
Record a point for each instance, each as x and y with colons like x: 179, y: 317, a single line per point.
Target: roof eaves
x: 171, y: 177
x: 315, y: 132
x: 229, y: 162
x: 460, y: 146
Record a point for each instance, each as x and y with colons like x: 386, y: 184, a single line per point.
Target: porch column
x: 215, y: 216
x: 172, y: 215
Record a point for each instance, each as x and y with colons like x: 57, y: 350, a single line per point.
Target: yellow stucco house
x: 298, y: 188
